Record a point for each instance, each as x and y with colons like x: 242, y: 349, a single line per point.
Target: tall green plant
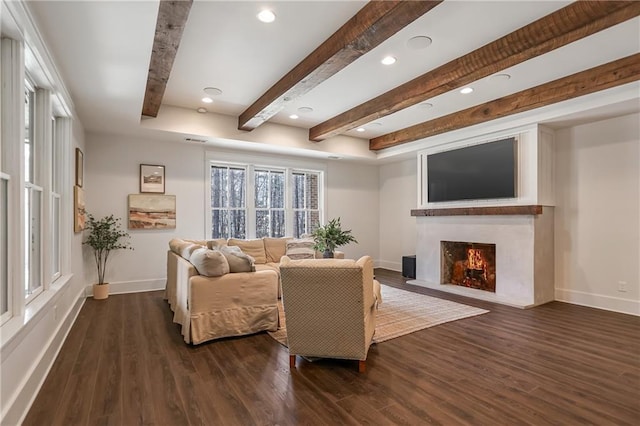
x: 331, y: 236
x: 105, y: 236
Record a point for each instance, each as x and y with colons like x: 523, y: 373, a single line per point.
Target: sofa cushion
x: 210, y: 263
x: 219, y: 242
x: 275, y: 248
x: 176, y: 245
x: 198, y: 242
x: 254, y: 248
x: 238, y: 261
x: 300, y: 248
x: 187, y: 250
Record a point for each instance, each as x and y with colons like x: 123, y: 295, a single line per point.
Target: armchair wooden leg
x: 292, y: 361
x: 361, y: 366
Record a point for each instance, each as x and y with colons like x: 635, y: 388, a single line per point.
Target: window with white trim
x: 286, y: 201
x: 34, y: 181
x: 33, y: 200
x: 228, y: 201
x: 269, y: 188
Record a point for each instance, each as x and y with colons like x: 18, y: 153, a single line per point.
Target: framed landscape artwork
x: 148, y: 211
x: 78, y: 209
x: 151, y: 179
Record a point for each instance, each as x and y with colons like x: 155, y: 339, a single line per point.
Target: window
x: 54, y: 160
x: 270, y: 200
x: 33, y: 203
x: 285, y: 201
x: 305, y: 202
x: 4, y: 247
x: 228, y: 207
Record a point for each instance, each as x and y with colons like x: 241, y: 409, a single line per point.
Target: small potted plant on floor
x: 104, y: 236
x: 331, y: 236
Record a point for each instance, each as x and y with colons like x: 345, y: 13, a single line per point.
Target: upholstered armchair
x: 330, y: 307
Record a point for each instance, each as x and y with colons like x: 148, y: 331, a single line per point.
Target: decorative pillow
x: 300, y: 249
x: 210, y: 263
x: 254, y: 248
x: 238, y: 261
x: 275, y: 248
x: 212, y: 244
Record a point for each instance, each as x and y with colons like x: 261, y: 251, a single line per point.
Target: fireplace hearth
x: 468, y: 264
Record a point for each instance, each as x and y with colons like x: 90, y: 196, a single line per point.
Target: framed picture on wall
x: 79, y: 213
x: 79, y: 167
x: 148, y: 211
x: 151, y: 178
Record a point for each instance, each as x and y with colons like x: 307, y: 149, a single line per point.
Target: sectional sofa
x: 221, y: 288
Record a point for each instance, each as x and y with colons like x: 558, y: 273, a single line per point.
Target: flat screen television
x: 477, y: 172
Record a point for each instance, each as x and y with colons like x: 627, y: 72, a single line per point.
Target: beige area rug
x: 403, y: 312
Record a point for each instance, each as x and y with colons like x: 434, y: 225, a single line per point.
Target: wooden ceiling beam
x: 172, y: 18
x: 571, y: 23
x: 603, y: 77
x: 373, y: 24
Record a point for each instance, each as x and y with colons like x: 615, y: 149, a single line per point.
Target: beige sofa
x: 330, y: 307
x: 232, y: 304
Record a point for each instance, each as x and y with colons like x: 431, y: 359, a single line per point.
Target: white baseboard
x: 392, y: 266
x: 599, y: 301
x: 20, y: 405
x: 138, y: 286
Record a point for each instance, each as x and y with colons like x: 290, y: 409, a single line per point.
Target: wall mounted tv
x: 477, y: 172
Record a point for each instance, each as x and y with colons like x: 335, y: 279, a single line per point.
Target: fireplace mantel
x: 532, y: 210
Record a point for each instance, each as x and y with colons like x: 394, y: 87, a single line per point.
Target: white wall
x: 352, y: 195
x: 597, y: 221
x: 398, y: 192
x: 112, y: 172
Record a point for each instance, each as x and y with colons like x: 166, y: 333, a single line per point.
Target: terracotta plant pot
x: 100, y: 291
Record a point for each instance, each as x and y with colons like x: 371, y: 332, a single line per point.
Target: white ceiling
x: 102, y: 50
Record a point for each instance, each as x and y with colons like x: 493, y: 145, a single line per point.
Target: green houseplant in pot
x: 331, y: 236
x: 104, y: 236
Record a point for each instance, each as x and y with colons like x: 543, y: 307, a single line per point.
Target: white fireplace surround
x: 524, y: 254
x: 524, y: 243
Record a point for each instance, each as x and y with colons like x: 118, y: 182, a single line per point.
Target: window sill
x: 14, y: 330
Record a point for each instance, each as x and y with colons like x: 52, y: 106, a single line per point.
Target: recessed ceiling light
x: 212, y: 91
x: 419, y: 42
x: 360, y: 129
x: 201, y: 110
x: 305, y: 109
x: 500, y: 77
x: 375, y: 123
x: 207, y: 100
x: 425, y: 105
x: 293, y: 116
x: 333, y: 157
x: 466, y: 90
x: 266, y: 16
x: 388, y: 60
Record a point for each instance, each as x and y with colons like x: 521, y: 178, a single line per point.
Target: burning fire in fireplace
x: 469, y: 265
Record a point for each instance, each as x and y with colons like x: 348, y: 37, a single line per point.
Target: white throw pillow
x: 210, y: 263
x: 238, y: 261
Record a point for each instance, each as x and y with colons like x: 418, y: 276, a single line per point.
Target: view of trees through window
x: 305, y: 203
x: 228, y: 194
x: 286, y: 202
x: 270, y: 199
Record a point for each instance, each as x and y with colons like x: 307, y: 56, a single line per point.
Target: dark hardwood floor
x: 125, y: 363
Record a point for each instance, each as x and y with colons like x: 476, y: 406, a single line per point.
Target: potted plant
x: 331, y: 236
x: 104, y: 236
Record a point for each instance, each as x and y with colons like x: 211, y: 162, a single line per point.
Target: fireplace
x: 468, y: 264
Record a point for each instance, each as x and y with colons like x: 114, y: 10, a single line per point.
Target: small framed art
x: 79, y: 167
x: 151, y: 178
